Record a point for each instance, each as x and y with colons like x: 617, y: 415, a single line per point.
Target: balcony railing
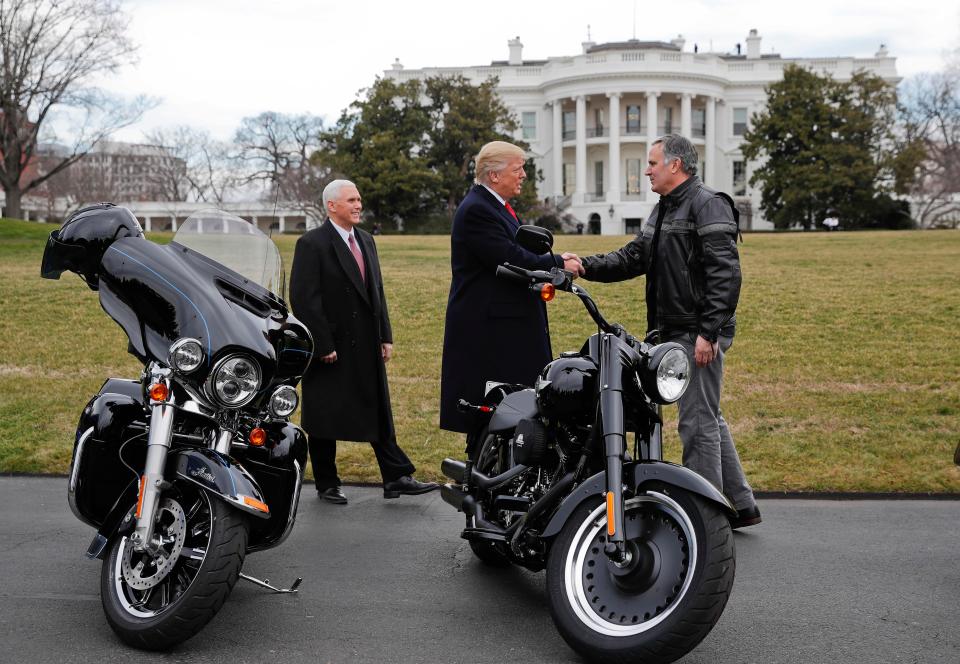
x: 698, y: 132
x: 594, y: 198
x: 635, y: 131
x: 597, y: 132
x: 631, y: 197
x: 665, y: 129
x: 569, y: 134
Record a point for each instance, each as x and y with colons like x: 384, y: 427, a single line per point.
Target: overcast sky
x: 213, y: 62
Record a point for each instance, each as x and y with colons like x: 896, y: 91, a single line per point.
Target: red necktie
x: 510, y: 210
x: 357, y: 256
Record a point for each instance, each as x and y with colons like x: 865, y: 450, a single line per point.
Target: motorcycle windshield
x: 236, y: 244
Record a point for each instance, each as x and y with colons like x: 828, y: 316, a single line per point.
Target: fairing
x: 160, y: 293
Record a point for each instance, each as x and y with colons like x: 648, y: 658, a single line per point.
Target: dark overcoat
x: 348, y: 399
x: 496, y: 329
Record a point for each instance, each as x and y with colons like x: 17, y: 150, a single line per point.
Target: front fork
x: 152, y: 482
x: 614, y: 443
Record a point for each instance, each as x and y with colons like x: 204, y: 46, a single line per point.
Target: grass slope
x: 845, y: 374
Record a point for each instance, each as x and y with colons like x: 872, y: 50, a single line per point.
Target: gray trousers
x: 708, y: 447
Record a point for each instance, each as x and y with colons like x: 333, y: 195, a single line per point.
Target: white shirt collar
x: 495, y: 194
x: 343, y: 233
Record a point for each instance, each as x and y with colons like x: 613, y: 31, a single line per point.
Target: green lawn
x: 845, y: 374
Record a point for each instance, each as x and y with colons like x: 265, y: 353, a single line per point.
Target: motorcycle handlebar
x: 561, y: 281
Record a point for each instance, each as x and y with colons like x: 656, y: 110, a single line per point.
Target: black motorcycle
x: 639, y: 553
x: 195, y: 464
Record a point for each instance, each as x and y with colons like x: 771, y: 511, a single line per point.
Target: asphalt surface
x: 391, y: 581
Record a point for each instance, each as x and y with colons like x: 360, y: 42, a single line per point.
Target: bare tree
x: 51, y: 50
x: 930, y: 108
x: 277, y: 151
x: 205, y: 170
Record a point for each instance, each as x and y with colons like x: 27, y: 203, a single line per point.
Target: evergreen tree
x: 828, y: 149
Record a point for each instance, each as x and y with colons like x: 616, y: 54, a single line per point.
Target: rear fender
x: 222, y: 477
x: 637, y: 476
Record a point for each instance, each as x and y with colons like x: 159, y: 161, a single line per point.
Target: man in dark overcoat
x: 496, y: 329
x: 336, y: 289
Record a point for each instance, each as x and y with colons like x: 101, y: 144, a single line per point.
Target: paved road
x: 390, y: 581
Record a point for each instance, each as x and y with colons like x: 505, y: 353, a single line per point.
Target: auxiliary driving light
x: 185, y: 355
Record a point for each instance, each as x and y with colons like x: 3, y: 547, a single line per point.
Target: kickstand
x: 266, y: 584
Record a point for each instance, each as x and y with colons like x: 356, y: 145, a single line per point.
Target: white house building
x: 590, y: 118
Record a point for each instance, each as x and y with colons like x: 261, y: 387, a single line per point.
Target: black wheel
x: 489, y: 458
x: 664, y: 601
x: 156, y: 602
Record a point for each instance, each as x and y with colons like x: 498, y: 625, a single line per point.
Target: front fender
x: 221, y: 476
x: 636, y: 476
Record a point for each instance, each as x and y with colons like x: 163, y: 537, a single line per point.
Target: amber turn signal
x: 611, y: 516
x: 158, y: 392
x: 254, y: 503
x: 547, y: 292
x: 257, y: 437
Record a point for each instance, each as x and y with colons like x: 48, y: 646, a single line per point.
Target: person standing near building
x: 336, y: 289
x: 495, y: 328
x: 688, y: 250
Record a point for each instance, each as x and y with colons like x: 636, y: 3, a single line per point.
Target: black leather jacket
x: 694, y: 283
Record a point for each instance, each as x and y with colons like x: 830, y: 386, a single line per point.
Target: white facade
x: 590, y: 118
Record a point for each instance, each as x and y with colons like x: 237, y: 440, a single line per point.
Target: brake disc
x: 142, y: 570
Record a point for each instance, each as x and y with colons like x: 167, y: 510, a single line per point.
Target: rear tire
x: 659, y: 607
x: 487, y: 458
x: 160, y: 611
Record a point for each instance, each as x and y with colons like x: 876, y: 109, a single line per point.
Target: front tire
x: 153, y: 604
x: 665, y: 601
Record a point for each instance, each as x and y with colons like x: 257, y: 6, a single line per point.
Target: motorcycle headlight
x: 283, y: 401
x: 185, y: 355
x: 666, y: 374
x: 234, y: 380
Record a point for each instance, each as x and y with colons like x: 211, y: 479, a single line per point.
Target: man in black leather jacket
x: 688, y: 250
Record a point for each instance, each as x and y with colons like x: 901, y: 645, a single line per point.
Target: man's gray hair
x: 676, y: 146
x: 332, y: 191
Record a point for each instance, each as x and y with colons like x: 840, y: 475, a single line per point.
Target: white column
x: 651, y: 117
x: 651, y: 137
x: 686, y: 129
x: 147, y: 224
x: 613, y: 186
x: 283, y: 223
x: 173, y: 222
x: 581, y: 155
x: 558, y: 148
x: 710, y: 140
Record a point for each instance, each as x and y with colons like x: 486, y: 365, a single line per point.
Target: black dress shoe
x: 333, y: 495
x: 407, y: 486
x: 746, y: 517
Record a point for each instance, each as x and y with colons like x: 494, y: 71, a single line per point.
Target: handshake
x: 573, y: 264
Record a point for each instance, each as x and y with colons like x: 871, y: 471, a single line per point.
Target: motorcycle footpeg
x: 97, y: 546
x: 485, y: 534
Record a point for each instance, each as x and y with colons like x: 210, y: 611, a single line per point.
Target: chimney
x: 516, y: 51
x: 396, y: 64
x: 882, y: 52
x: 753, y: 45
x: 678, y: 41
